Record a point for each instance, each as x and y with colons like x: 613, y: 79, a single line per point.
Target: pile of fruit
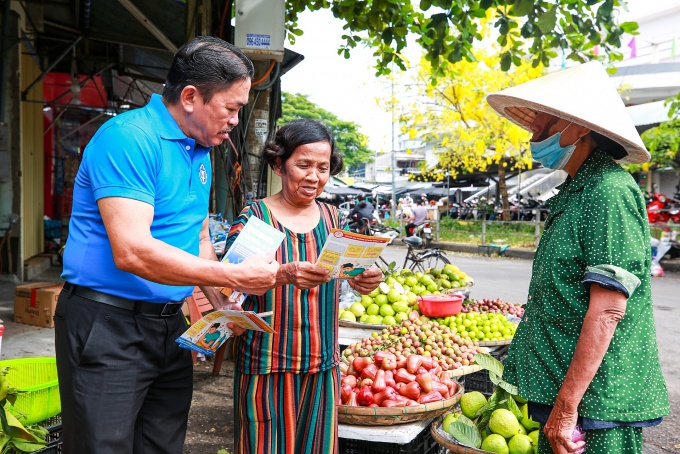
x: 497, y: 306
x: 500, y: 425
x: 388, y: 380
x: 415, y: 336
x: 477, y: 326
x: 396, y: 296
x: 504, y: 433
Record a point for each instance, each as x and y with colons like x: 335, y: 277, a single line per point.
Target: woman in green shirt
x: 586, y: 354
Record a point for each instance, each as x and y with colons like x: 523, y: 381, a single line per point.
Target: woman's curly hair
x: 297, y: 133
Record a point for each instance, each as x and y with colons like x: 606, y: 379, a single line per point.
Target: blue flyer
x: 257, y: 237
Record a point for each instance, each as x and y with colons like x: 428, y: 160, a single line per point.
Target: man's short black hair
x: 208, y: 63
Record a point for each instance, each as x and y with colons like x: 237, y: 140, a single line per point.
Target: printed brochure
x: 209, y: 333
x: 256, y: 237
x: 347, y: 254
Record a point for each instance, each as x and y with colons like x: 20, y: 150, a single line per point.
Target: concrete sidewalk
x: 19, y: 340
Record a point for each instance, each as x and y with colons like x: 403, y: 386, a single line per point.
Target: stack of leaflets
x: 208, y: 333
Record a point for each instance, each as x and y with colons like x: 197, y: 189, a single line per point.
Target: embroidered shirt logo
x: 203, y: 174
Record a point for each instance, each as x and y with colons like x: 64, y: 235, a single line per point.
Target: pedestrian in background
x: 585, y: 352
x: 138, y: 244
x: 418, y: 217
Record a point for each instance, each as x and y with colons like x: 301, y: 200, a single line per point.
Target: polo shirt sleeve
x: 613, y: 238
x: 124, y: 162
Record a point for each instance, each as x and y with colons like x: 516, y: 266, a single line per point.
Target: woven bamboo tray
x: 367, y: 326
x: 464, y: 370
x: 459, y: 289
x: 446, y: 442
x: 382, y: 416
x: 497, y: 343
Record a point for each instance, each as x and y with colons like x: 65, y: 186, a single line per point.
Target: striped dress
x: 286, y: 384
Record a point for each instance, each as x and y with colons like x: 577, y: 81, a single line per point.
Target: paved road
x: 508, y: 279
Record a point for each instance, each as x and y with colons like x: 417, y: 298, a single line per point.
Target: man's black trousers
x: 125, y: 384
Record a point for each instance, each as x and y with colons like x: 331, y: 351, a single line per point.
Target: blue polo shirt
x: 142, y: 155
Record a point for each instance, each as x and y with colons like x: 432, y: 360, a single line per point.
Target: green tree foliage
x: 348, y: 140
x: 663, y: 141
x: 448, y: 29
x: 452, y: 114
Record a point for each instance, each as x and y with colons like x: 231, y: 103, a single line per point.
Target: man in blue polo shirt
x: 138, y: 243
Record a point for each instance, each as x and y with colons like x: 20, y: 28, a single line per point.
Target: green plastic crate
x: 37, y: 377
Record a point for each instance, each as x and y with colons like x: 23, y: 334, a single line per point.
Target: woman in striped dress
x: 286, y: 384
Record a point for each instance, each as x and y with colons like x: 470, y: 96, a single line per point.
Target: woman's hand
x: 229, y: 305
x: 237, y: 330
x: 220, y: 301
x: 303, y: 275
x: 559, y: 430
x: 367, y: 281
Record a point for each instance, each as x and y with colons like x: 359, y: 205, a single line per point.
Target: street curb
x: 669, y: 266
x: 517, y: 253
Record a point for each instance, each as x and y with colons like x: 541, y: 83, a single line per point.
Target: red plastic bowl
x: 440, y: 305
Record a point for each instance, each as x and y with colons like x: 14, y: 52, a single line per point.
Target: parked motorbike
x: 662, y: 209
x: 424, y: 232
x: 454, y: 210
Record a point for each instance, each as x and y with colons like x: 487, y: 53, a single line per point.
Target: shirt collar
x: 166, y: 125
x: 586, y: 171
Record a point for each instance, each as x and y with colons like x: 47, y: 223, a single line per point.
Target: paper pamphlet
x: 209, y: 333
x: 347, y: 254
x: 256, y: 237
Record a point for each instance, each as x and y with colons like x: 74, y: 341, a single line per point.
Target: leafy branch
x: 448, y: 30
x: 14, y: 436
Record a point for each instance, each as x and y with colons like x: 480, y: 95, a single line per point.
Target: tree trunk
x: 503, y: 188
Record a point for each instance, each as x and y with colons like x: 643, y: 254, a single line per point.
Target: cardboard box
x: 34, y: 303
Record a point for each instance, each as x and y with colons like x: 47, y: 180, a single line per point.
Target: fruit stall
x: 410, y: 352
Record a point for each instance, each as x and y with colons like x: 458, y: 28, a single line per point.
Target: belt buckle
x: 170, y: 309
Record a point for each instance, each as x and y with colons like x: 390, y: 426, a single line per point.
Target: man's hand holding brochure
x: 211, y: 331
x: 346, y: 255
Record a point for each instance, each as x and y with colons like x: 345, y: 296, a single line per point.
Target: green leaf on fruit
x: 488, y: 362
x: 512, y: 389
x: 512, y: 406
x: 494, y: 402
x: 465, y: 433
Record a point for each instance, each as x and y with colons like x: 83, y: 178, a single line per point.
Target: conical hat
x: 582, y: 94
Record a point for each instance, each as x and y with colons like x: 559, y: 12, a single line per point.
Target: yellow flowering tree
x: 451, y: 113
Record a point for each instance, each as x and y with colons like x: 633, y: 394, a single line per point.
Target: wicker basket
x: 360, y: 325
x: 497, y: 343
x: 452, y: 446
x: 382, y: 416
x: 461, y: 289
x: 464, y: 370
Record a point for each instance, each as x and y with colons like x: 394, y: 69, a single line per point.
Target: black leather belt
x: 138, y: 307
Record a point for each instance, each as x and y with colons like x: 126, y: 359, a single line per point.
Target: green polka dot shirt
x: 597, y: 232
